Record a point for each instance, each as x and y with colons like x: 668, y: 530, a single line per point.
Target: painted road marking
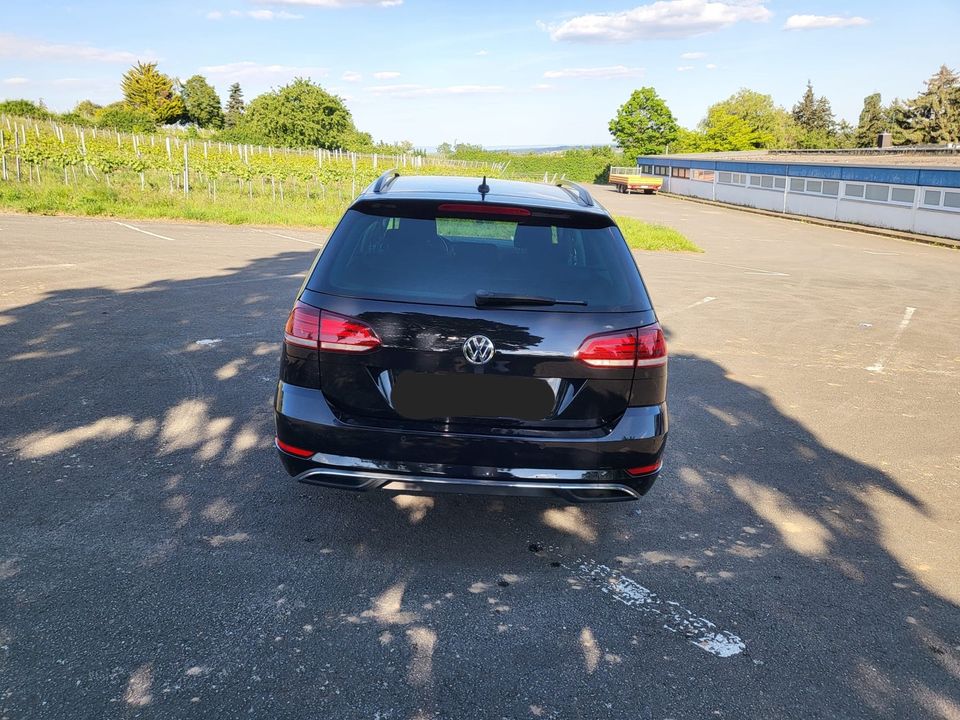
x: 708, y: 299
x: 145, y: 232
x: 289, y: 237
x: 877, y: 367
x: 37, y: 267
x: 676, y: 618
x: 748, y: 270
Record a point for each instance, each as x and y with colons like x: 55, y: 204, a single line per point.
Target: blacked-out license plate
x: 422, y: 396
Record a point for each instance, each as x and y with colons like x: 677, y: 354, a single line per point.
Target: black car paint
x: 341, y: 406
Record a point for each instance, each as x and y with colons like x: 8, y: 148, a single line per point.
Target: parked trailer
x: 630, y: 179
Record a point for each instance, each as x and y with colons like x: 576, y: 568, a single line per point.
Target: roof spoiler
x: 384, y: 182
x: 578, y: 192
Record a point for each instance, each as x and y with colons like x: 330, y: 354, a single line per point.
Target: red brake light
x: 617, y: 349
x: 644, y: 347
x: 303, y: 326
x: 344, y: 334
x: 651, y: 346
x: 484, y: 209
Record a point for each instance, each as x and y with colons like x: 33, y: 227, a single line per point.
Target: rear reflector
x: 645, y: 469
x: 644, y: 347
x: 293, y: 450
x: 484, y: 209
x: 321, y: 330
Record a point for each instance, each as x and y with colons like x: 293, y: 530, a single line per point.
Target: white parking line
x: 748, y: 270
x: 289, y: 237
x: 37, y: 267
x: 877, y: 367
x: 145, y: 232
x: 708, y: 299
x: 676, y: 618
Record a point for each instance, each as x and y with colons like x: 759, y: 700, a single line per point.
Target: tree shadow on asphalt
x: 137, y: 451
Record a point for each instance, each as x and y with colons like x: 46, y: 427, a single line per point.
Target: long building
x: 901, y: 191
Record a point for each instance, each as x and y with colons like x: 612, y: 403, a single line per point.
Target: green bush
x: 120, y: 116
x: 24, y: 108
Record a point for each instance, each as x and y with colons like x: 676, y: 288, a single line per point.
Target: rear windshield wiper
x: 486, y: 299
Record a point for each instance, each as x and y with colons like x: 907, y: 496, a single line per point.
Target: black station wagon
x: 460, y: 335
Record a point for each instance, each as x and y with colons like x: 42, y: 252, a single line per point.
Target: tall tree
x: 935, y: 114
x: 147, y: 89
x: 202, y: 103
x: 769, y: 125
x: 815, y: 120
x: 874, y: 120
x: 235, y: 106
x: 300, y: 114
x: 644, y: 124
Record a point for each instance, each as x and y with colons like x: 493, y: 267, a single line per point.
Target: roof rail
x: 578, y: 192
x: 384, y: 182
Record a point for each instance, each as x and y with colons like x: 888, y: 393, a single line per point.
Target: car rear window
x: 447, y: 260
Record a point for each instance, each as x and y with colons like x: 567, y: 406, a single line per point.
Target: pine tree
x: 235, y: 106
x: 874, y: 119
x: 934, y: 116
x: 816, y: 121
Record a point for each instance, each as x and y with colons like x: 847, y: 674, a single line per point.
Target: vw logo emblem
x: 478, y: 349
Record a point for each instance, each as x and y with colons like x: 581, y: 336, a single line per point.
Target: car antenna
x: 484, y: 188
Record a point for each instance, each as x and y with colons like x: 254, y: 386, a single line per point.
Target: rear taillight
x: 643, y: 347
x: 303, y: 326
x: 343, y: 334
x: 645, y: 469
x: 651, y: 346
x: 321, y: 330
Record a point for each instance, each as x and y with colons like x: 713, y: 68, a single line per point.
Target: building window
x: 755, y: 180
x: 878, y: 193
x: 728, y: 178
x: 931, y: 197
x: 780, y: 183
x: 661, y: 170
x: 682, y: 173
x: 951, y: 200
x: 796, y: 184
x: 767, y: 182
x: 903, y: 195
x: 831, y: 188
x: 703, y: 175
x: 854, y: 191
x: 814, y: 186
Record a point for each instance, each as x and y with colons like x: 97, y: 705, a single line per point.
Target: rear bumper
x: 580, y: 466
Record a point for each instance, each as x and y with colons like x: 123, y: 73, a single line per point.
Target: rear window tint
x: 447, y: 260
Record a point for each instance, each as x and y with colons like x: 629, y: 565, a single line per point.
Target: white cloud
x: 31, y: 49
x: 693, y: 56
x: 482, y: 53
x: 15, y: 81
x: 665, y: 18
x: 352, y: 76
x: 247, y: 70
x: 710, y: 66
x: 254, y: 15
x: 685, y: 68
x: 816, y: 22
x: 612, y: 71
x: 413, y: 91
x: 541, y: 86
x: 386, y: 75
x: 335, y: 3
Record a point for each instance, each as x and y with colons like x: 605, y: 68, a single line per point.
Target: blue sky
x: 492, y: 72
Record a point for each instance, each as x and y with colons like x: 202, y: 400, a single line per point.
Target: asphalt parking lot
x: 798, y: 558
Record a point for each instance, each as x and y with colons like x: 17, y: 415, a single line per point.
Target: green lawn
x: 232, y: 207
x: 645, y: 236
